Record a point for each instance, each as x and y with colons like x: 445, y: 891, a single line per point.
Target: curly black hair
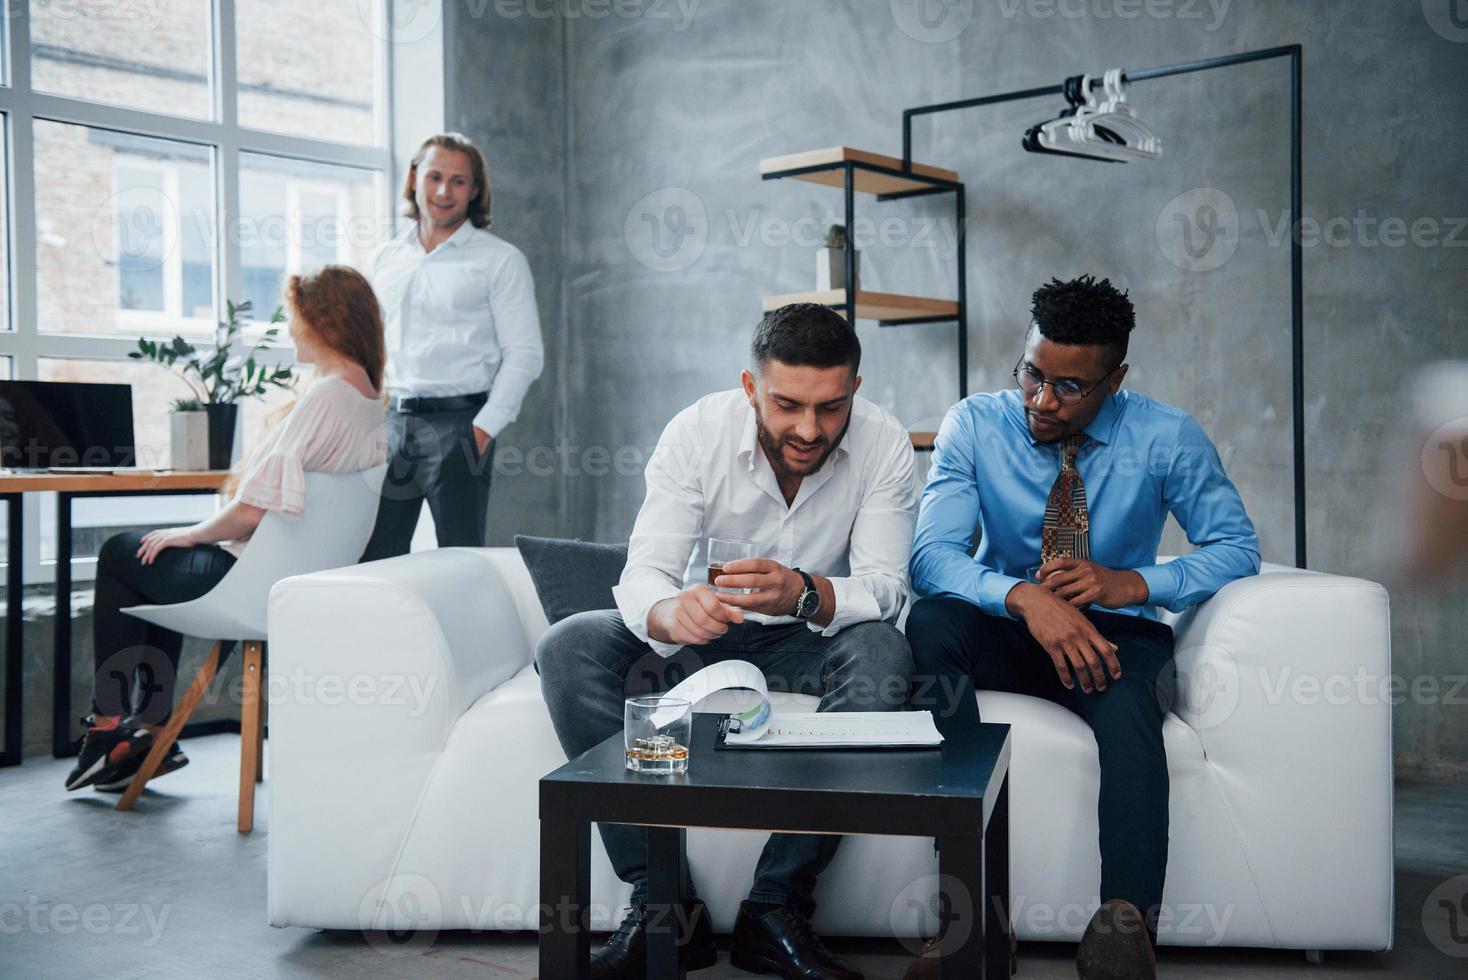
x: 1084, y: 311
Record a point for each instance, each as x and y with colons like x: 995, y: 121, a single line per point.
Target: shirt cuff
x: 854, y: 604
x: 1162, y: 583
x: 994, y: 590
x: 492, y: 419
x: 634, y: 601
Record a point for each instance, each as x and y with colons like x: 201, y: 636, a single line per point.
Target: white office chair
x: 340, y: 511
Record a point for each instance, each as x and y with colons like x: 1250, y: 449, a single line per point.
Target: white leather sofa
x: 407, y: 735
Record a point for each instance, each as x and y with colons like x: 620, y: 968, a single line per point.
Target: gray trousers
x: 432, y: 456
x: 590, y: 663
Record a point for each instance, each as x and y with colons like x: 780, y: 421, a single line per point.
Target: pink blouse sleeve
x: 275, y: 476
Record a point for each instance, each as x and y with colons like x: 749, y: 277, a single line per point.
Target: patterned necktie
x: 1066, y: 531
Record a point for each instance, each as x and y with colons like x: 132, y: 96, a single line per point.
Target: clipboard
x: 721, y: 743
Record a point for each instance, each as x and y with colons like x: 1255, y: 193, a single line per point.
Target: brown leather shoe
x: 1116, y: 945
x: 928, y: 965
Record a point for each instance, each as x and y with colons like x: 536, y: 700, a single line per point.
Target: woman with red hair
x: 336, y: 426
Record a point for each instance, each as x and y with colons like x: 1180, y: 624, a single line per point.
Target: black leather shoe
x: 781, y: 942
x: 624, y: 957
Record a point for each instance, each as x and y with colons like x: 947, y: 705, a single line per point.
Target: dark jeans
x: 432, y: 456
x: 958, y: 648
x: 590, y: 663
x: 124, y: 645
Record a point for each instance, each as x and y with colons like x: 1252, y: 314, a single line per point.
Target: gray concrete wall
x: 670, y: 237
x: 505, y: 89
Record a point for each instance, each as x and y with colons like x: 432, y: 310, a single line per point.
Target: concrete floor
x: 172, y: 891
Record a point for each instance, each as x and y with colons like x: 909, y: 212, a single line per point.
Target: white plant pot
x: 831, y: 268
x: 188, y: 443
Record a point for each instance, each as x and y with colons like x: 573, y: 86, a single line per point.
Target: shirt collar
x: 1104, y: 424
x: 460, y: 236
x: 749, y: 440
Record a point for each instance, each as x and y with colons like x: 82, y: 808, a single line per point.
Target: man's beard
x: 774, y: 448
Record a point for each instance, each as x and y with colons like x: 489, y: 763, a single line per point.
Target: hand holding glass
x: 721, y: 551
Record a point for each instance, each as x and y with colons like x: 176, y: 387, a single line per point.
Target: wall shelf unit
x: 887, y: 178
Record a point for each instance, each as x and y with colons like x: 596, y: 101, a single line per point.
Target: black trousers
x: 136, y: 663
x: 432, y: 456
x: 958, y: 648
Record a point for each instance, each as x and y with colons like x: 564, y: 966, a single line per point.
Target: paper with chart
x: 758, y: 727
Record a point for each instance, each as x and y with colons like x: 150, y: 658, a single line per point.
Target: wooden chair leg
x: 163, y: 741
x: 249, y: 735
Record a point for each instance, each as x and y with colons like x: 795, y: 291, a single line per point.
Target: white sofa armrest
x: 1285, y: 678
x: 369, y: 669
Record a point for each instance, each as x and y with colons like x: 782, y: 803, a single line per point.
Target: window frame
x: 24, y: 343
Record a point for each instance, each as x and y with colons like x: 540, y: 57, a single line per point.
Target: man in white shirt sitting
x: 463, y: 346
x: 821, y: 481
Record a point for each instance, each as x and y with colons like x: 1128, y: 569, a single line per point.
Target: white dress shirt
x: 459, y: 320
x: 851, y: 521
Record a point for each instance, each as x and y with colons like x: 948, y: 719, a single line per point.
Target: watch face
x: 808, y: 601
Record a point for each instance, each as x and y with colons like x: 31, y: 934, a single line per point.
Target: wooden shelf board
x: 866, y: 181
x: 870, y: 305
x: 922, y: 441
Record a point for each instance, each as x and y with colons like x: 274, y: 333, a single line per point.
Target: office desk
x: 67, y: 487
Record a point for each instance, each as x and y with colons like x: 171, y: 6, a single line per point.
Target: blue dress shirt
x: 1144, y: 459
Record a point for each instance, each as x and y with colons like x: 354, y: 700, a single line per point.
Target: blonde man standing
x: 463, y: 344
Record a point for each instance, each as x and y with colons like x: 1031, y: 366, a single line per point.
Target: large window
x: 125, y: 242
x: 157, y: 174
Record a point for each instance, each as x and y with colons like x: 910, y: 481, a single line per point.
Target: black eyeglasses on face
x: 1068, y: 392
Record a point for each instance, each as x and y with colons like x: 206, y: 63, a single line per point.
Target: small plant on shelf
x: 831, y: 261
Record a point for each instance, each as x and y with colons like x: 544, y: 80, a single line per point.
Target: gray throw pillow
x: 572, y: 576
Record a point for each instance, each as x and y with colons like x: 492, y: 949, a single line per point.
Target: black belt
x: 416, y: 404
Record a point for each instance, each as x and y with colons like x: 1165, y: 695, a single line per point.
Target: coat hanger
x: 1117, y: 123
x: 1106, y: 130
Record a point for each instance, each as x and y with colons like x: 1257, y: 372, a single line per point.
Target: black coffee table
x: 957, y: 794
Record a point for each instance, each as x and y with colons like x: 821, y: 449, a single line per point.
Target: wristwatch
x: 809, y: 602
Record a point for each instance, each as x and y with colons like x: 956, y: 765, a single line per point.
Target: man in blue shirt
x: 1067, y: 480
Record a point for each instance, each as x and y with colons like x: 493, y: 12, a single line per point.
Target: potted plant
x: 218, y: 379
x: 831, y: 261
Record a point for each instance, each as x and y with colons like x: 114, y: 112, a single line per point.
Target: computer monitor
x: 47, y: 424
